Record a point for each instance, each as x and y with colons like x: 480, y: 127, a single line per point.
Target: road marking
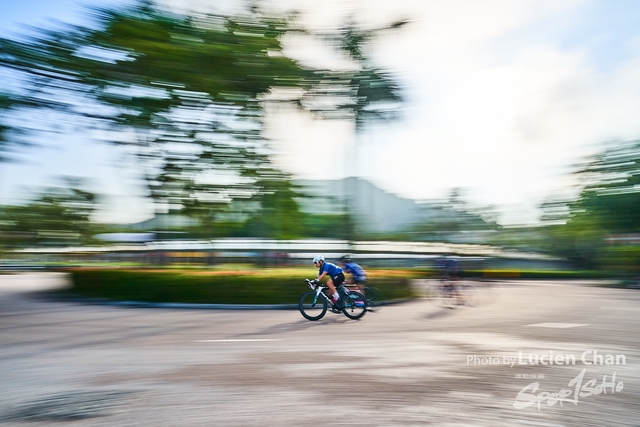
x: 240, y: 340
x: 621, y: 308
x: 537, y: 423
x: 558, y: 325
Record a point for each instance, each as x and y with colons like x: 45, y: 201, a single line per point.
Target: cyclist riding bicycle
x: 335, y: 273
x: 357, y: 273
x: 450, y: 273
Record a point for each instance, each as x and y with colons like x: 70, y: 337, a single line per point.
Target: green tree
x: 606, y: 207
x: 364, y: 94
x: 58, y: 216
x: 612, y: 188
x: 457, y: 220
x: 279, y: 216
x: 9, y: 134
x: 184, y: 94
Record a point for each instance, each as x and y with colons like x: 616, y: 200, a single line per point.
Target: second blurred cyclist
x: 357, y: 273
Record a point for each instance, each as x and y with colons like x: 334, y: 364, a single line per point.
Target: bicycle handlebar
x: 312, y: 283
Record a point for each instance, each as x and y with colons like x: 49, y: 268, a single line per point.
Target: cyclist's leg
x: 335, y: 282
x: 332, y: 287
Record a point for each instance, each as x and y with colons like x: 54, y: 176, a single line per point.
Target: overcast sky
x: 501, y: 98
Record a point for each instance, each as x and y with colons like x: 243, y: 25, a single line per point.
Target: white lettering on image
x: 527, y: 397
x: 591, y: 357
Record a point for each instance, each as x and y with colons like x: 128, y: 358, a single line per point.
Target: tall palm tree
x: 364, y: 94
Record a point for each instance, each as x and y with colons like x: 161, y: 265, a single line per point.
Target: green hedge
x: 190, y: 287
x: 547, y: 274
x: 505, y: 274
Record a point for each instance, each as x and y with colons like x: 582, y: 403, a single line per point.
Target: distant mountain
x: 375, y: 210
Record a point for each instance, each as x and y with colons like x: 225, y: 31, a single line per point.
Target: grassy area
x: 242, y: 286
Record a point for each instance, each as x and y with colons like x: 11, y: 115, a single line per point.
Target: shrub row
x: 190, y: 287
x: 526, y: 274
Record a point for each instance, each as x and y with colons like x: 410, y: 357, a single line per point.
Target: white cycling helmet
x: 318, y: 258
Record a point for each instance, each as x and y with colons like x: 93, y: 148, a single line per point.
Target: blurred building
x: 374, y: 210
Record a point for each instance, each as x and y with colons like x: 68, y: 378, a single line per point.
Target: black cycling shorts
x: 337, y: 279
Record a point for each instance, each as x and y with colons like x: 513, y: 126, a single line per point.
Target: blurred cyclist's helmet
x: 318, y: 258
x: 345, y: 258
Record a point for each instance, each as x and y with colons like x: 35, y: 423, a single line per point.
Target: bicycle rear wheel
x: 354, y: 305
x: 374, y: 298
x: 312, y: 307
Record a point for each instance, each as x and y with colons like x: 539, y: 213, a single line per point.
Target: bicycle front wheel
x: 312, y: 306
x: 434, y: 294
x: 469, y: 295
x: 354, y: 305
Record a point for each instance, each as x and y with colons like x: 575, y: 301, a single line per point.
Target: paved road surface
x: 406, y: 365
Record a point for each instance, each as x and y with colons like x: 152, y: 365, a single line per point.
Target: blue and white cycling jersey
x: 331, y: 269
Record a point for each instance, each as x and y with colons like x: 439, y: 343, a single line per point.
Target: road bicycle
x: 314, y: 304
x: 451, y: 294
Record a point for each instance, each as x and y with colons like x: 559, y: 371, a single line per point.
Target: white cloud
x: 489, y: 110
x: 496, y: 103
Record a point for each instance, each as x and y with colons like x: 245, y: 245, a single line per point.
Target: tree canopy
x: 183, y: 93
x: 58, y: 215
x: 186, y: 95
x: 607, y: 206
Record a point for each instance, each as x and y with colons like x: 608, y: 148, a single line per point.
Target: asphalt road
x: 405, y: 365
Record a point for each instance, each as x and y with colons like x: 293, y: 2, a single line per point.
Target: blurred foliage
x: 185, y: 95
x: 187, y: 88
x: 585, y: 230
x: 280, y: 216
x: 327, y: 226
x: 455, y: 220
x: 59, y: 216
x: 9, y: 135
x: 624, y: 259
x: 364, y: 94
x: 276, y: 224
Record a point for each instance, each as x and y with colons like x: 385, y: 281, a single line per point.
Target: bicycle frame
x: 319, y: 288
